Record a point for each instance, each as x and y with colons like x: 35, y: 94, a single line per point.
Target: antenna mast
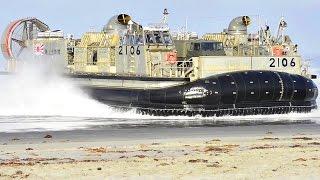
x: 281, y: 29
x: 165, y: 16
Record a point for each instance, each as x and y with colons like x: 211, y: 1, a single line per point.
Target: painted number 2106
x: 282, y: 62
x: 129, y: 50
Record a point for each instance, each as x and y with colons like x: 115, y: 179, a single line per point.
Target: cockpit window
x: 158, y: 38
x: 131, y: 40
x: 196, y: 46
x: 219, y: 46
x: 139, y: 39
x: 149, y: 38
x: 167, y: 39
x: 123, y: 40
x: 207, y: 46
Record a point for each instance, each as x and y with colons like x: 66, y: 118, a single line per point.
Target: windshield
x: 139, y: 39
x: 167, y: 38
x: 149, y: 38
x: 158, y: 37
x: 207, y: 46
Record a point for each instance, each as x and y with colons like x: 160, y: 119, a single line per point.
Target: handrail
x: 182, y: 69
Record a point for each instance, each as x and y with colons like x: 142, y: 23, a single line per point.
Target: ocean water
x: 39, y: 99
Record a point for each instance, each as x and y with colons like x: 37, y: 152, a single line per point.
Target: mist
x: 38, y: 88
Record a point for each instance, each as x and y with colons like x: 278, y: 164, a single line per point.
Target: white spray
x: 38, y: 89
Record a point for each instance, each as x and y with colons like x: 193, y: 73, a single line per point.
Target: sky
x: 78, y: 16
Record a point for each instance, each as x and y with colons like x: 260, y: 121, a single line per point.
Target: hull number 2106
x: 282, y: 62
x: 129, y: 50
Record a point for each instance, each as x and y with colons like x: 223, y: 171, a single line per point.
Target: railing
x: 188, y: 66
x: 182, y: 69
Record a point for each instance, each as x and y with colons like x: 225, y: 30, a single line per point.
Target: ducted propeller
x: 124, y: 19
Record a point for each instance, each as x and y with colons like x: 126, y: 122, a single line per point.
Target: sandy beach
x: 211, y: 154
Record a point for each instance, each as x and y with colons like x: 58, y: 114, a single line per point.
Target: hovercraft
x: 159, y: 72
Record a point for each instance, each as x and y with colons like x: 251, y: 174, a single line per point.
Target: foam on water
x: 38, y: 98
x: 38, y: 89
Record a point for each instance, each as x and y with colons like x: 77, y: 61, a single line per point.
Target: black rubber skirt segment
x: 234, y: 93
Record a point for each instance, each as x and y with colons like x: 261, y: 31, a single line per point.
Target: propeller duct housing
x: 239, y: 25
x: 116, y: 23
x: 17, y: 33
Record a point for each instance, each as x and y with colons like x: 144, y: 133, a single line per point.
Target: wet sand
x: 241, y: 152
